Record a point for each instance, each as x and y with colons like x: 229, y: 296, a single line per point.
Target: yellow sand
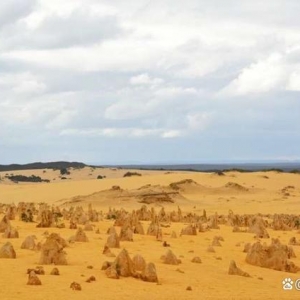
x: 209, y: 280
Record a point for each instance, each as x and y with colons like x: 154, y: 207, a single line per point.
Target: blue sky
x: 149, y: 81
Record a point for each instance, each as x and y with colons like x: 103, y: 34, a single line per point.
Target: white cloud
x: 174, y: 91
x: 199, y: 121
x: 171, y: 134
x: 61, y: 119
x: 294, y: 82
x: 145, y: 79
x: 121, y: 132
x: 22, y: 83
x: 171, y: 69
x: 126, y: 110
x: 151, y: 101
x: 14, y: 10
x: 260, y: 77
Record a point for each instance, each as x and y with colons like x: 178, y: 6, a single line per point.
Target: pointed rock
x: 33, y: 279
x: 7, y: 251
x: 234, y: 270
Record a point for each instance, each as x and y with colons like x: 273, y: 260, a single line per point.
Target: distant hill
x: 40, y: 165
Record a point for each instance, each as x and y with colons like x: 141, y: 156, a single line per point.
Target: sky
x: 136, y: 81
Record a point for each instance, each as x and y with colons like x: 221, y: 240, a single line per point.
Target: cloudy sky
x: 141, y: 81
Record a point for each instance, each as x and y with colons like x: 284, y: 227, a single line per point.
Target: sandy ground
x: 209, y: 280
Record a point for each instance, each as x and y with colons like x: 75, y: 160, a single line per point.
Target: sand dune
x: 248, y: 201
x: 148, y: 194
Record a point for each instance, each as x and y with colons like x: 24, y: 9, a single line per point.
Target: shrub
x: 129, y: 174
x: 295, y: 171
x: 219, y: 173
x: 22, y: 178
x: 64, y: 171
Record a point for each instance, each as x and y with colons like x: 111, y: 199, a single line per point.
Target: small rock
x: 149, y: 273
x: 106, y: 265
x: 75, y: 286
x: 234, y: 270
x: 111, y: 272
x: 211, y: 249
x: 7, y: 251
x: 165, y: 244
x: 179, y: 271
x: 90, y: 279
x: 55, y: 272
x: 33, y: 279
x: 197, y: 260
x: 38, y: 270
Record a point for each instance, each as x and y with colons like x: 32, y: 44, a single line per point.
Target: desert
x: 149, y: 150
x: 162, y: 235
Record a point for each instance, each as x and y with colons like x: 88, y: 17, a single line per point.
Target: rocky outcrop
x: 258, y: 226
x: 75, y: 286
x: 275, y: 256
x: 216, y: 241
x: 46, y: 219
x: 149, y: 273
x: 80, y: 236
x: 10, y: 233
x: 294, y: 242
x: 139, y: 263
x: 4, y: 224
x: 126, y: 233
x: 7, y: 251
x: 189, y: 230
x: 234, y: 270
x: 33, y: 279
x: 124, y: 266
x: 55, y: 272
x: 138, y: 228
x: 153, y: 228
x: 196, y: 260
x: 113, y: 241
x: 107, y: 252
x: 52, y: 251
x: 29, y: 243
x: 170, y: 259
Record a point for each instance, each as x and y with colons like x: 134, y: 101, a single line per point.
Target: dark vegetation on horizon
x: 58, y: 165
x: 208, y: 168
x: 22, y: 178
x: 220, y: 171
x: 221, y: 168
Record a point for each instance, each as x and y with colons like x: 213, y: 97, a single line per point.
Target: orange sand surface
x: 209, y: 280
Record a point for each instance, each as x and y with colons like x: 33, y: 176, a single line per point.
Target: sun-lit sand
x: 259, y: 192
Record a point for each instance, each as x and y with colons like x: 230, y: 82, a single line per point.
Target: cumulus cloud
x: 14, y: 10
x: 199, y: 121
x: 121, y: 132
x: 260, y: 77
x: 22, y: 83
x: 55, y: 31
x: 150, y: 74
x: 145, y: 79
x: 294, y: 81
